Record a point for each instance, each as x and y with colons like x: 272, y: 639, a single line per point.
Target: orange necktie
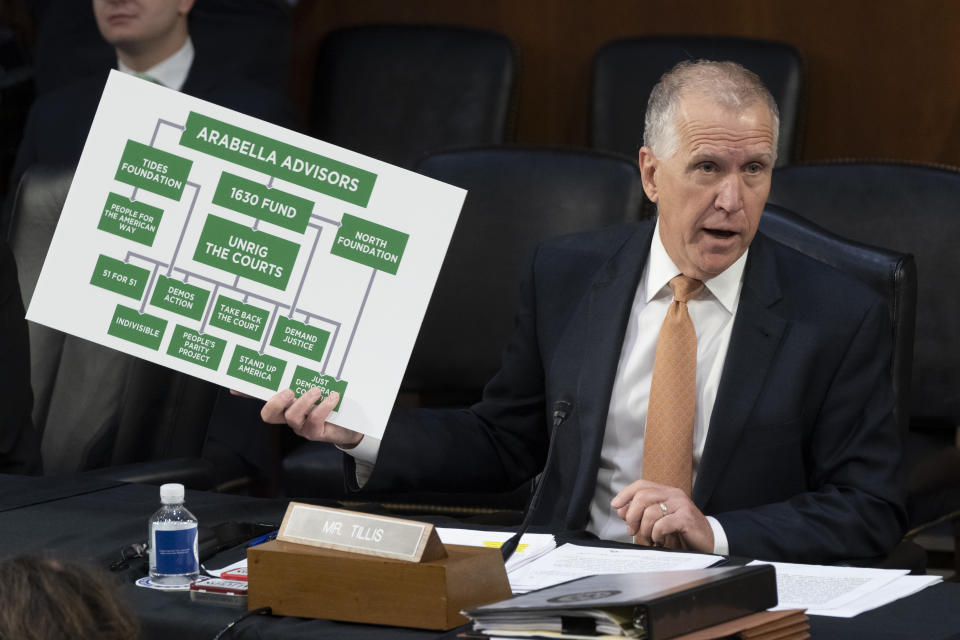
x: 668, y: 437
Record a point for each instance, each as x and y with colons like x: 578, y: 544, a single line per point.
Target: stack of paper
x: 652, y: 605
x: 595, y: 624
x: 572, y: 561
x: 842, y: 592
x: 786, y: 624
x: 531, y: 547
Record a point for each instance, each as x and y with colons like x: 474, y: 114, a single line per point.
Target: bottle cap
x: 171, y: 493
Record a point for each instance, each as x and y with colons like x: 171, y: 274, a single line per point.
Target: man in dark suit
x: 795, y: 454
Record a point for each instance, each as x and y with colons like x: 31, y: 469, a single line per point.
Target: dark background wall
x: 883, y: 76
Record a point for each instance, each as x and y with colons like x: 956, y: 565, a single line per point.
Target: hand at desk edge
x: 681, y: 525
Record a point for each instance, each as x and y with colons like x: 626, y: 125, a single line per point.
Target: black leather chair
x: 16, y: 96
x: 516, y: 198
x: 96, y: 407
x: 891, y: 274
x: 916, y: 209
x: 625, y: 71
x: 396, y: 92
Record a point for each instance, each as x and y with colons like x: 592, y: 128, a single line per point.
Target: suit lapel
x: 608, y: 311
x: 756, y: 336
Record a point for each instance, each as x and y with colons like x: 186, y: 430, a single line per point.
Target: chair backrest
x: 396, y: 92
x: 890, y: 273
x: 95, y: 406
x: 16, y: 96
x: 625, y: 71
x: 516, y: 198
x: 908, y: 208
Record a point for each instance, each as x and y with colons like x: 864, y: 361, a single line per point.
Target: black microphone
x: 561, y: 410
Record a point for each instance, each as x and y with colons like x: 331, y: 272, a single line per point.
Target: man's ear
x: 648, y: 172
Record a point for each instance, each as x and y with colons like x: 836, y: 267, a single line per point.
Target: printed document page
x: 842, y: 591
x: 571, y: 561
x: 531, y: 547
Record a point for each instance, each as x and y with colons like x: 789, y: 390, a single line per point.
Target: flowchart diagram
x: 243, y: 253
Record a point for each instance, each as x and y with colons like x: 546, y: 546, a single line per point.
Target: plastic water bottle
x: 173, y: 540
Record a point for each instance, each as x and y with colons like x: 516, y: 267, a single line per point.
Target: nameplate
x: 361, y: 533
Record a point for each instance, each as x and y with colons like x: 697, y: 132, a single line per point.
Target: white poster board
x: 243, y: 253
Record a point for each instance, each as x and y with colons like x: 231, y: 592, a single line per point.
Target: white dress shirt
x: 172, y: 72
x: 712, y: 312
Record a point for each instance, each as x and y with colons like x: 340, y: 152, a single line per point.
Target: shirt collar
x: 172, y: 72
x: 661, y: 269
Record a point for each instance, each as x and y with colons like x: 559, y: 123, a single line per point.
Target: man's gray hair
x: 728, y: 83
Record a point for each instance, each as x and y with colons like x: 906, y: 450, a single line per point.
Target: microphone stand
x: 561, y: 410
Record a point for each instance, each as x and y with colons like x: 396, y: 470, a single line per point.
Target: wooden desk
x: 96, y: 523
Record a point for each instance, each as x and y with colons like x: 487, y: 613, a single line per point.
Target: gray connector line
x: 224, y: 285
x: 267, y: 300
x: 246, y: 294
x: 266, y: 334
x: 201, y: 277
x: 306, y: 270
x: 131, y: 254
x: 353, y: 331
x: 153, y: 139
x: 333, y: 341
x: 161, y: 121
x: 314, y: 216
x: 235, y: 287
x: 209, y: 311
x: 146, y: 292
x: 316, y: 317
x: 183, y: 229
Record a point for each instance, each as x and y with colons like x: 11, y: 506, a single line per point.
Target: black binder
x: 651, y: 606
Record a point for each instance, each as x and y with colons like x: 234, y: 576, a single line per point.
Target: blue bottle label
x: 176, y: 551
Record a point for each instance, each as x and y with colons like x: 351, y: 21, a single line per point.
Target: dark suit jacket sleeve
x: 495, y: 445
x: 853, y: 505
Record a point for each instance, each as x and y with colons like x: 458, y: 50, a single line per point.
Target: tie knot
x: 685, y: 287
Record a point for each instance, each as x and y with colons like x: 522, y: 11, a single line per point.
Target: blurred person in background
x: 153, y: 40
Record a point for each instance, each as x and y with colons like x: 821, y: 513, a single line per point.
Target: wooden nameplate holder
x: 354, y: 567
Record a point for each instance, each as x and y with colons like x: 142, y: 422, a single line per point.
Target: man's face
x: 134, y: 23
x: 710, y: 194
